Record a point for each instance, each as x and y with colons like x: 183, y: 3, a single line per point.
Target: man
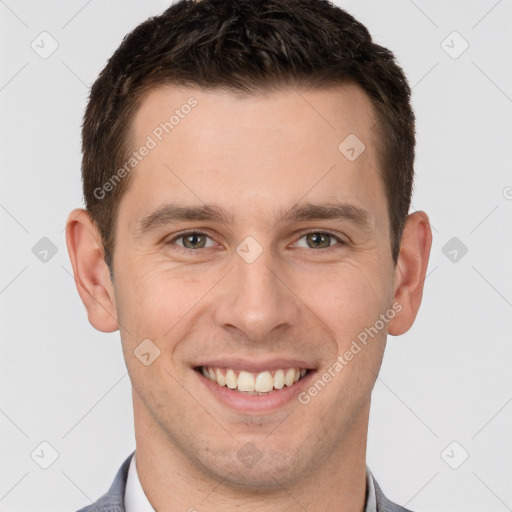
x: 247, y: 172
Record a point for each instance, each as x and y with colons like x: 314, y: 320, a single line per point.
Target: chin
x: 258, y: 465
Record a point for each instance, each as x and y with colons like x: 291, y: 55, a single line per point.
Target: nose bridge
x: 255, y: 300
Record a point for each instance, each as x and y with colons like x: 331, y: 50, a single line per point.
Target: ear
x: 92, y: 275
x: 410, y: 271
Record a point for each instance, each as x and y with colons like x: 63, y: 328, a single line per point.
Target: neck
x: 172, y: 482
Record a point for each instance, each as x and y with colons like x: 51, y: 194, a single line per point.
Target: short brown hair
x: 245, y: 46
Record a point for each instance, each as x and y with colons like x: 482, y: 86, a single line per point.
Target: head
x: 280, y: 139
x: 246, y: 48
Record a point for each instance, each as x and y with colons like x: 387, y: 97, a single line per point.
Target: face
x: 253, y: 250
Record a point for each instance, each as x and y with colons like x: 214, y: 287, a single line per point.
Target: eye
x: 193, y: 240
x: 318, y: 240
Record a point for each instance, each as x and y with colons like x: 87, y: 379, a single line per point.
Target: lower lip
x: 255, y: 403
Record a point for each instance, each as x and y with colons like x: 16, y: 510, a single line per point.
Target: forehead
x: 256, y: 153
x: 324, y: 116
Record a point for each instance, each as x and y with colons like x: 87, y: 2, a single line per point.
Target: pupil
x: 319, y: 239
x: 193, y: 240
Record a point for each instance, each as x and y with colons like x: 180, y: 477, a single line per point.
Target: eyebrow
x: 330, y: 211
x: 172, y: 213
x: 169, y: 213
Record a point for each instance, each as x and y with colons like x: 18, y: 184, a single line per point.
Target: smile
x: 251, y: 383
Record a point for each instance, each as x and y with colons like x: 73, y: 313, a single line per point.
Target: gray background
x: 448, y: 379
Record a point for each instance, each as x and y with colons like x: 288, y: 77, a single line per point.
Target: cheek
x: 154, y: 297
x: 349, y: 299
x: 350, y: 305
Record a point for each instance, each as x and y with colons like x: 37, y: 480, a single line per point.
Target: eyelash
x: 341, y: 243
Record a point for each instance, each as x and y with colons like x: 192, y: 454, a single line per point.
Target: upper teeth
x: 253, y: 382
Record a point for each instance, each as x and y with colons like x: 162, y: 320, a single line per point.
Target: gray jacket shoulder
x: 383, y: 504
x: 113, y: 500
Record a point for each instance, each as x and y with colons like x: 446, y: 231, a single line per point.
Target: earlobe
x: 410, y: 271
x: 92, y: 275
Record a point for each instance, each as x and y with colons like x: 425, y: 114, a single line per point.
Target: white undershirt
x: 134, y: 498
x: 136, y: 501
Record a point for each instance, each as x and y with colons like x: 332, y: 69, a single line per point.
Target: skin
x: 256, y: 157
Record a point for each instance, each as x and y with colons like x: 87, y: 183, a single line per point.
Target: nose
x: 255, y: 301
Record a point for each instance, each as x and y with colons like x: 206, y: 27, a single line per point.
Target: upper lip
x: 252, y: 365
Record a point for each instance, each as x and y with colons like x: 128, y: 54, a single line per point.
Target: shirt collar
x: 135, y: 500
x: 371, y: 497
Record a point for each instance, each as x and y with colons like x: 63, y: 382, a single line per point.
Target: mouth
x: 254, y: 388
x: 252, y: 383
